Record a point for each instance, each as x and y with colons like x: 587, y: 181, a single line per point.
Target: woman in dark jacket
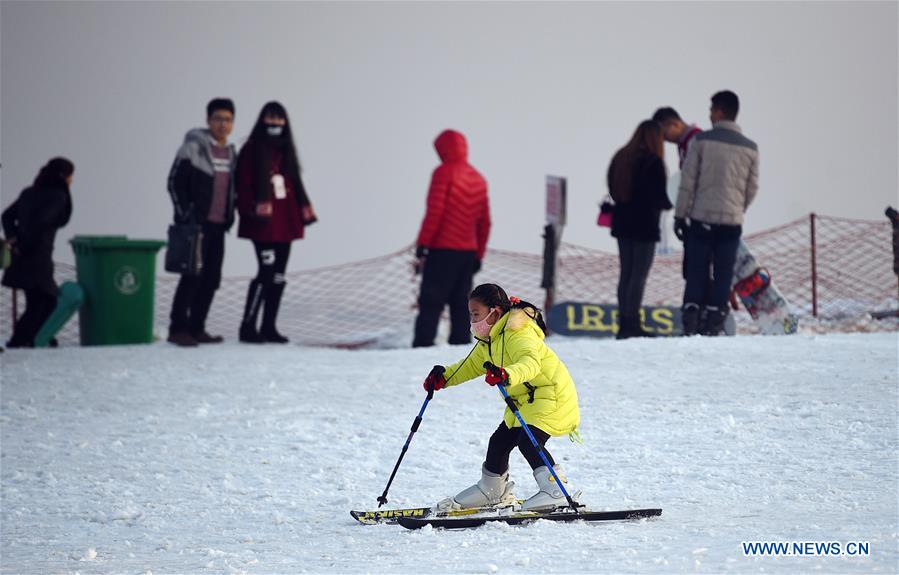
x: 274, y: 209
x: 637, y: 182
x: 30, y: 224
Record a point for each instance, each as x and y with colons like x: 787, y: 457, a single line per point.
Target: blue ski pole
x: 502, y: 389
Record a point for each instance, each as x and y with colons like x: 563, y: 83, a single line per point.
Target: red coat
x: 286, y: 221
x: 458, y: 212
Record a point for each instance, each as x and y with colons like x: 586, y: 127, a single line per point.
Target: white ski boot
x: 491, y: 491
x: 550, y: 494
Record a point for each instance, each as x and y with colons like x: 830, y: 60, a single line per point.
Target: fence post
x: 814, y: 266
x: 556, y: 208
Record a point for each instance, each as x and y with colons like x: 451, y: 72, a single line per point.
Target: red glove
x: 435, y: 379
x: 497, y: 375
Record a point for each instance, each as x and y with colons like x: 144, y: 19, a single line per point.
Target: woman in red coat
x: 274, y: 209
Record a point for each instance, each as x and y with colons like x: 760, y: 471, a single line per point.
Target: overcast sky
x: 538, y: 88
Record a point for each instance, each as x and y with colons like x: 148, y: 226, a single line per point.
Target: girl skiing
x: 510, y: 335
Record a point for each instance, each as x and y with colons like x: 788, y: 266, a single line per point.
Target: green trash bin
x: 118, y: 276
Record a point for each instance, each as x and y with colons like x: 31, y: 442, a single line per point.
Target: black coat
x: 33, y: 220
x: 638, y: 218
x: 192, y: 178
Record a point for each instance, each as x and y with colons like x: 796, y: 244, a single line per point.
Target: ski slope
x: 243, y: 459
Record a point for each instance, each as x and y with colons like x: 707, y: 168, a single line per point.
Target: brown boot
x: 182, y: 339
x: 203, y: 337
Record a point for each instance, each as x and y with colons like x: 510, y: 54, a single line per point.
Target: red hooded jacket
x: 458, y: 212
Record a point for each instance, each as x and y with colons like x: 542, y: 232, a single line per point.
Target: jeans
x: 446, y: 279
x: 715, y: 245
x: 268, y: 285
x: 39, y: 306
x: 194, y: 294
x: 636, y: 260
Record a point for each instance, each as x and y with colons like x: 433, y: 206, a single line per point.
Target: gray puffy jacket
x: 720, y: 176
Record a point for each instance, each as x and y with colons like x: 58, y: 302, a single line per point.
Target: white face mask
x: 274, y: 129
x: 481, y: 328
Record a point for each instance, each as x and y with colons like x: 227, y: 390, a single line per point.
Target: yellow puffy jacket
x: 539, y: 382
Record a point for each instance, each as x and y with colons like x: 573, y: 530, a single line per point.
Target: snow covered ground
x: 247, y: 459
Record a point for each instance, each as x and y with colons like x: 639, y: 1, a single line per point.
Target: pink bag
x: 606, y: 210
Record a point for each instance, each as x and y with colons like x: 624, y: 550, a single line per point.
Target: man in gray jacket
x: 202, y: 190
x: 718, y: 182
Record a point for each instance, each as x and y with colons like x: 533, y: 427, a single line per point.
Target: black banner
x: 601, y: 320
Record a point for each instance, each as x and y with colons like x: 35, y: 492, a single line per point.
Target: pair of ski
x: 418, y: 517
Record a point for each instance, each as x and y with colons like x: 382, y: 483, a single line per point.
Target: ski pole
x: 383, y: 498
x: 496, y: 371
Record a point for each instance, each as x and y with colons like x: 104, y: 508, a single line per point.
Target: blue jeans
x: 715, y: 246
x: 636, y: 260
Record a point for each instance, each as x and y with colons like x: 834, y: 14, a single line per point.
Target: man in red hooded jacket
x: 452, y: 241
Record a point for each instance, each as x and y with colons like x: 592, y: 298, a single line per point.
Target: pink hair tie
x: 514, y: 300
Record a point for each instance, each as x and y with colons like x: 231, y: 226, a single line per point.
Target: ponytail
x: 491, y: 295
x: 54, y: 173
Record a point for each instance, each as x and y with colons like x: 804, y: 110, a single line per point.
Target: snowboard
x: 755, y: 288
x: 392, y: 515
x: 524, y: 517
x: 71, y: 296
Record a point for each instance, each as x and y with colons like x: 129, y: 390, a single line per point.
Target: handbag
x: 5, y: 254
x: 184, y: 253
x: 606, y: 211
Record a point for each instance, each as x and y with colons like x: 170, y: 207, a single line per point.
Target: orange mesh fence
x: 373, y: 302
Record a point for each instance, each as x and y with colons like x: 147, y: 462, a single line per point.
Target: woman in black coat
x: 30, y: 224
x: 637, y: 181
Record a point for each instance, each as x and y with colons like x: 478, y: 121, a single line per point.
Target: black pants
x: 194, y: 294
x: 504, y: 440
x: 446, y: 279
x: 716, y: 245
x: 39, y: 306
x: 636, y: 260
x: 268, y: 285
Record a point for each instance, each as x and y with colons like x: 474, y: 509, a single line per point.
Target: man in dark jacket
x: 676, y: 131
x: 893, y: 216
x: 452, y: 241
x: 202, y: 190
x: 30, y: 224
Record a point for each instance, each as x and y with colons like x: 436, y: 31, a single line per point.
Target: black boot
x: 199, y: 310
x: 273, y: 296
x: 625, y: 327
x: 690, y: 318
x: 714, y: 321
x: 248, y: 331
